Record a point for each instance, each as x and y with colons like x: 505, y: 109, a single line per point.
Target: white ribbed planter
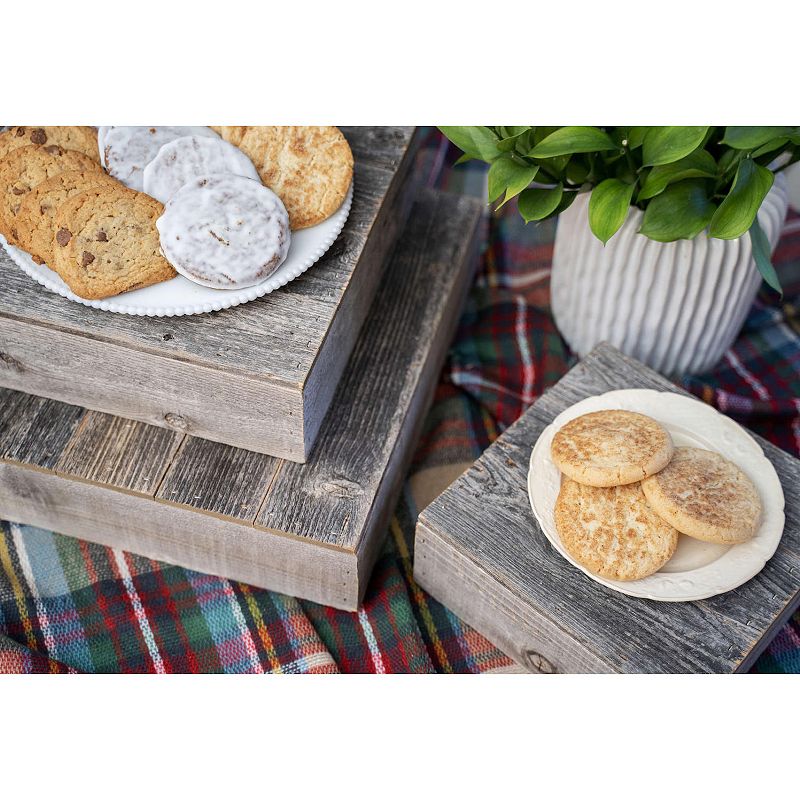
x: 676, y: 306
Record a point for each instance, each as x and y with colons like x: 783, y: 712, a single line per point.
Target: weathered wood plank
x: 378, y: 144
x: 177, y: 535
x: 209, y: 495
x: 277, y: 359
x: 218, y: 478
x: 482, y: 530
x: 332, y: 496
x: 34, y: 430
x: 321, y: 381
x: 119, y: 452
x: 156, y: 390
x: 520, y: 630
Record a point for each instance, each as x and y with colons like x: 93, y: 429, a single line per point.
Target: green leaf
x: 577, y: 171
x: 462, y: 159
x: 513, y: 133
x: 772, y: 149
x: 699, y: 164
x: 763, y: 257
x: 663, y: 145
x: 728, y: 160
x: 514, y: 130
x: 681, y: 211
x: 748, y: 137
x: 508, y: 177
x: 636, y: 136
x: 536, y: 204
x: 543, y: 131
x: 608, y: 207
x: 737, y: 211
x: 477, y: 141
x: 573, y: 139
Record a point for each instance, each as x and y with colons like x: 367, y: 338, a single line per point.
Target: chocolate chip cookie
x: 25, y: 168
x: 35, y: 222
x: 106, y: 242
x: 81, y: 138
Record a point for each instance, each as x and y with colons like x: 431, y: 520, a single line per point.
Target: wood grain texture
x: 34, y: 430
x: 276, y: 359
x: 119, y: 452
x: 310, y: 530
x: 218, y: 478
x: 527, y: 599
x: 332, y: 496
x: 177, y: 535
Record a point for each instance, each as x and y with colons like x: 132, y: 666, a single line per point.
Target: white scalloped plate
x: 180, y: 296
x: 698, y: 569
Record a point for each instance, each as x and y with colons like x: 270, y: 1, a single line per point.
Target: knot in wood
x: 176, y: 421
x: 9, y: 362
x: 341, y: 487
x: 536, y: 662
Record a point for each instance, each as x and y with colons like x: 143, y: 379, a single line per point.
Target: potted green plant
x: 664, y: 233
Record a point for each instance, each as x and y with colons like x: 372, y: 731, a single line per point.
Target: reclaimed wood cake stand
x: 480, y: 551
x: 312, y: 530
x: 259, y: 376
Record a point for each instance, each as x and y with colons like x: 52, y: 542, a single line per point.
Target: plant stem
x: 631, y: 163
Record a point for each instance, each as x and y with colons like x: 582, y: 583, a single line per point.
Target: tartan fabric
x: 71, y: 606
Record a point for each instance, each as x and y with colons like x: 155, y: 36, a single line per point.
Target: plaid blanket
x: 68, y: 605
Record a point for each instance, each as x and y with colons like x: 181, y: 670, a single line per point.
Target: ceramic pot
x: 676, y: 306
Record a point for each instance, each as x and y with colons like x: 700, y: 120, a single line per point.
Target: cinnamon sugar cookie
x: 612, y: 531
x: 705, y: 496
x: 230, y: 133
x: 611, y: 448
x: 309, y: 167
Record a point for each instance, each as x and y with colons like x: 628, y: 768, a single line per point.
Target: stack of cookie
x: 125, y: 207
x: 58, y: 203
x: 627, y: 494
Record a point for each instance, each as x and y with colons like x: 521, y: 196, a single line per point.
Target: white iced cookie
x: 127, y: 149
x: 190, y: 157
x: 102, y: 130
x: 224, y: 231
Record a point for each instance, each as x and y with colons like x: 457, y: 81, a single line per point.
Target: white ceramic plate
x: 698, y: 569
x: 181, y: 296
